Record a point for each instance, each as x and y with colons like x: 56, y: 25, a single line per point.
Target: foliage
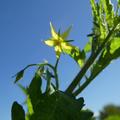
x: 103, y: 46
x: 115, y: 117
x: 110, y: 112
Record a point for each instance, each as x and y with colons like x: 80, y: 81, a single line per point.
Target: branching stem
x: 88, y: 63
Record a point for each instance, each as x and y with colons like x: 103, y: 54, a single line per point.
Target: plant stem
x: 85, y: 84
x: 56, y: 75
x: 88, y: 63
x: 79, y: 76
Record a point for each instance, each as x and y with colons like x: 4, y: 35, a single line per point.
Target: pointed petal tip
x: 49, y: 43
x: 50, y: 22
x: 43, y: 42
x: 51, y: 25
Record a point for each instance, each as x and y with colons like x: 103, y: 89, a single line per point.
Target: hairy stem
x: 88, y: 63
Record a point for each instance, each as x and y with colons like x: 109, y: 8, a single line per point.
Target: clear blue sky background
x: 23, y: 24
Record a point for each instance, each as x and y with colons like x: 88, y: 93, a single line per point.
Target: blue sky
x: 23, y: 24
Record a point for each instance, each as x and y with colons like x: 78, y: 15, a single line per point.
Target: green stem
x: 54, y: 68
x: 46, y: 64
x: 85, y: 84
x: 48, y: 85
x: 88, y: 63
x: 56, y: 75
x: 79, y: 76
x: 56, y: 65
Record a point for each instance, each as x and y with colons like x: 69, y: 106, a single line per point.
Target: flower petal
x: 50, y: 43
x: 54, y: 34
x: 66, y: 46
x: 65, y: 34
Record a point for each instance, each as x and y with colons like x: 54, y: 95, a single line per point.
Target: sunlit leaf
x: 75, y: 53
x: 94, y: 9
x: 115, y: 44
x: 111, y: 52
x: 108, y: 9
x: 88, y: 46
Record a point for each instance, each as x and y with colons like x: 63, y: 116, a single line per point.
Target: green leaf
x: 108, y: 8
x: 54, y: 106
x: 76, y: 54
x: 102, y: 22
x: 88, y: 46
x: 98, y: 19
x: 27, y: 117
x: 86, y: 115
x: 27, y: 101
x: 118, y: 2
x: 115, y: 44
x: 113, y: 117
x: 111, y: 52
x: 34, y: 89
x: 17, y: 112
x: 94, y: 9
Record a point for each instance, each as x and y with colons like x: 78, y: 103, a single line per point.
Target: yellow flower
x: 62, y: 45
x: 58, y: 41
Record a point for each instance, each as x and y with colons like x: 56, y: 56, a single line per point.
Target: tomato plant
x: 103, y: 47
